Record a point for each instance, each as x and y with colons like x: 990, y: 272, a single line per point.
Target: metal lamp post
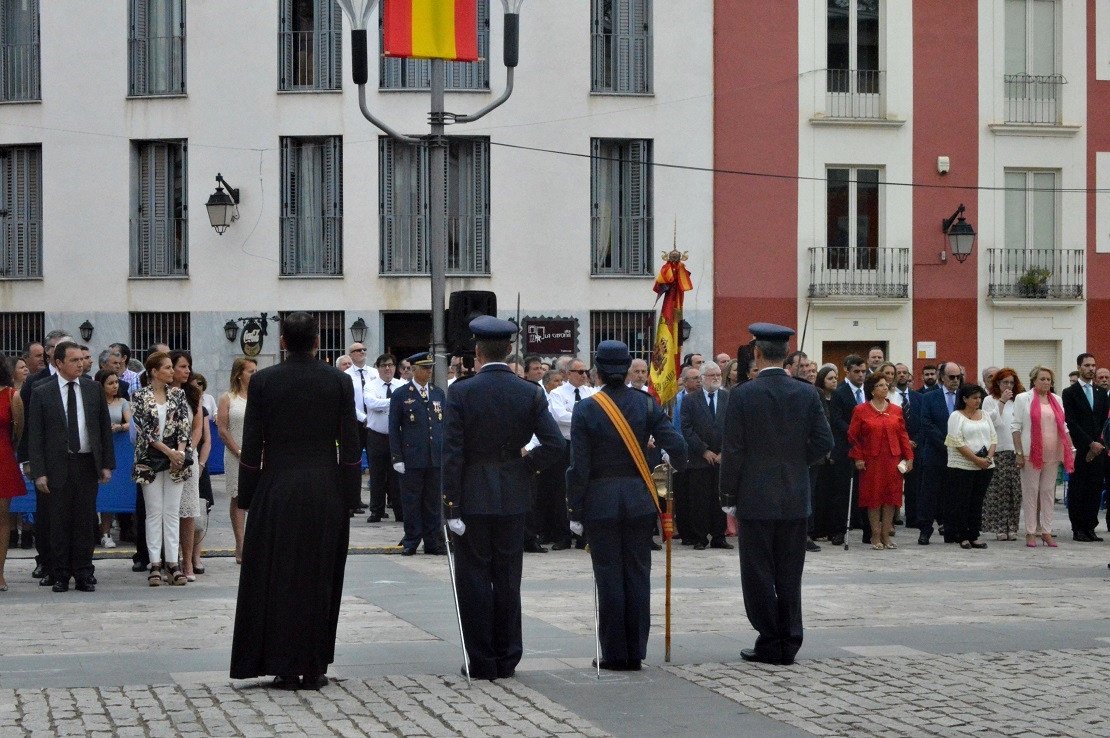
x: 358, y: 13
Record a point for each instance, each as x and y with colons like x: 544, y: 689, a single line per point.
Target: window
x: 853, y: 77
x: 172, y: 329
x: 160, y: 220
x: 331, y: 334
x: 635, y: 327
x: 621, y: 207
x: 17, y: 330
x: 21, y: 212
x: 1031, y: 65
x: 19, y: 50
x: 312, y: 206
x: 852, y: 207
x: 310, y: 45
x: 403, y: 205
x: 621, y: 46
x: 1031, y: 211
x: 415, y: 74
x: 156, y: 47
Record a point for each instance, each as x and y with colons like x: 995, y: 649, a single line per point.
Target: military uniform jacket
x: 603, y: 481
x: 489, y: 418
x: 774, y: 431
x: 416, y: 427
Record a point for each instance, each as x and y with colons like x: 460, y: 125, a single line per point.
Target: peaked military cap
x: 424, y: 358
x: 770, y: 332
x: 489, y: 328
x: 613, y: 356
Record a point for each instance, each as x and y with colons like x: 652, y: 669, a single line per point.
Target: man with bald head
x: 638, y: 375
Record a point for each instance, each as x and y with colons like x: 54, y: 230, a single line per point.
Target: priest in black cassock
x: 299, y: 491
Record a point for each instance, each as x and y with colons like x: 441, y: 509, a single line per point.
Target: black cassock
x: 299, y: 475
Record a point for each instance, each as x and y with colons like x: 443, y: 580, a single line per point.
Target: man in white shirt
x: 360, y: 374
x: 561, y: 402
x: 638, y: 375
x: 383, y: 479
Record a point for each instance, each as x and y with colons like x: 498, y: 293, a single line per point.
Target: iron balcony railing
x: 621, y: 63
x: 311, y: 246
x: 1033, y: 98
x: 158, y: 65
x: 844, y: 271
x: 19, y: 72
x: 309, y: 60
x: 855, y: 93
x: 405, y: 250
x: 622, y: 245
x: 1055, y: 274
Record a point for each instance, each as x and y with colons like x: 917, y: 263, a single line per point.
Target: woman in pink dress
x: 11, y: 478
x: 879, y: 442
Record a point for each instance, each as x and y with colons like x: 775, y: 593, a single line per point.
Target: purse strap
x: 630, y: 442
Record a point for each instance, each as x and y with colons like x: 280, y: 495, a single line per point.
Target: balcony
x: 855, y: 94
x: 838, y: 272
x: 1033, y: 99
x: 19, y: 72
x: 1036, y: 274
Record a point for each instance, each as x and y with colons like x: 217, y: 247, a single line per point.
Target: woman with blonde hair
x: 230, y: 412
x: 1041, y: 442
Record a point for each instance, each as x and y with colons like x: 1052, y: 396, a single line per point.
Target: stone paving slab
x: 1042, y: 693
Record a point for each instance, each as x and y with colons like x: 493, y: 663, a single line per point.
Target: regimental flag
x: 431, y: 29
x: 672, y: 282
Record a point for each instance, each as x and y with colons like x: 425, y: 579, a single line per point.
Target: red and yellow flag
x: 431, y: 29
x: 672, y: 282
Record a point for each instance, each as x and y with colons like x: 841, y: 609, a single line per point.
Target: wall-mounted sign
x: 250, y: 340
x: 551, y: 336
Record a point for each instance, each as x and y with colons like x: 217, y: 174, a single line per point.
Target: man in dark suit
x: 774, y: 431
x: 44, y: 567
x: 691, y: 387
x: 416, y: 445
x: 842, y: 404
x: 703, y: 423
x: 300, y: 413
x: 487, y: 486
x: 1085, y: 409
x: 911, y: 404
x: 936, y: 407
x: 70, y: 450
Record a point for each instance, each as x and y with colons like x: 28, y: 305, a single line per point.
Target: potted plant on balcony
x: 1034, y: 283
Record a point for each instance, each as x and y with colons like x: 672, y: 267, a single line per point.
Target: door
x: 835, y: 352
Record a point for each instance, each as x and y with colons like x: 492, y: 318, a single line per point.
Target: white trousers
x: 163, y: 501
x: 1038, y: 497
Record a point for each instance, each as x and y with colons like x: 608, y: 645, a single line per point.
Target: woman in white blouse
x: 1041, y: 442
x: 971, y: 443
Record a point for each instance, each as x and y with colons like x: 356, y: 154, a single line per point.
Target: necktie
x: 951, y: 400
x: 362, y: 395
x: 905, y: 399
x: 388, y: 391
x: 577, y: 396
x: 712, y: 406
x: 73, y: 434
x: 859, y: 396
x: 1090, y: 395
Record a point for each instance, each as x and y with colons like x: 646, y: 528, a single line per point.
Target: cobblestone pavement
x: 931, y: 641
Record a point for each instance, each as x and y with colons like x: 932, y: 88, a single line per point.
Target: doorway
x: 834, y: 352
x: 406, y: 333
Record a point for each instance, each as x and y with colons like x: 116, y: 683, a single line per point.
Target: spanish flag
x: 431, y: 29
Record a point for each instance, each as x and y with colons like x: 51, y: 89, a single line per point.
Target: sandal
x: 891, y: 545
x: 154, y: 579
x: 177, y: 577
x: 877, y: 546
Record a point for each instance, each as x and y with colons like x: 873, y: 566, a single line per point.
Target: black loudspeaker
x: 464, y: 307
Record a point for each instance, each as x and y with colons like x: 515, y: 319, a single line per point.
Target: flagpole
x: 667, y: 542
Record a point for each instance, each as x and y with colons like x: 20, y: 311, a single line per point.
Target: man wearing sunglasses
x: 562, y: 402
x: 933, y: 455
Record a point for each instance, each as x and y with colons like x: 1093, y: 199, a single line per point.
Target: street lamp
x: 358, y: 14
x: 960, y: 235
x: 358, y: 331
x: 231, y: 330
x: 223, y: 207
x: 86, y: 329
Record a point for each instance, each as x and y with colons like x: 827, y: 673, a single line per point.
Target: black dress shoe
x: 374, y: 518
x: 923, y: 539
x: 85, y: 586
x: 140, y: 566
x: 1094, y: 536
x: 506, y: 674
x: 39, y: 572
x: 812, y: 547
x: 47, y: 581
x: 288, y: 683
x: 656, y: 546
x: 442, y: 551
x: 978, y: 544
x: 60, y: 586
x: 408, y: 551
x: 720, y: 543
x: 561, y: 546
x: 749, y: 654
x: 837, y: 540
x: 314, y: 681
x: 611, y: 664
x: 534, y: 548
x: 91, y: 579
x: 1082, y: 536
x: 699, y: 546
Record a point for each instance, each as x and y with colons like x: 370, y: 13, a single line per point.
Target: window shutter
x: 35, y: 71
x: 335, y: 46
x: 639, y: 199
x: 138, y: 43
x: 595, y: 207
x: 160, y: 213
x: 420, y: 261
x: 332, y: 252
x: 386, y: 206
x: 7, y: 213
x: 479, y: 258
x: 640, y: 40
x: 622, y: 45
x: 177, y: 49
x: 6, y: 84
x: 285, y: 45
x: 288, y: 207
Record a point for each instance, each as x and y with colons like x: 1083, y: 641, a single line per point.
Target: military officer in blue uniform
x: 775, y: 430
x: 415, y: 448
x: 487, y: 486
x: 608, y: 497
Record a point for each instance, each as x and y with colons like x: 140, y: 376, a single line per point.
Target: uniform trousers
x: 383, y: 480
x: 772, y: 556
x: 421, y: 503
x: 72, y: 511
x: 1085, y: 486
x: 551, y: 524
x: 707, y: 521
x: 621, y: 554
x: 489, y: 560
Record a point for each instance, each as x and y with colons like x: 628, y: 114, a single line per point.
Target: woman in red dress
x: 879, y: 442
x: 11, y: 478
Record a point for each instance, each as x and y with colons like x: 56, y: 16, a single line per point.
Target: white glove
x: 728, y: 510
x: 399, y: 467
x: 457, y: 526
x: 576, y: 528
x: 666, y: 458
